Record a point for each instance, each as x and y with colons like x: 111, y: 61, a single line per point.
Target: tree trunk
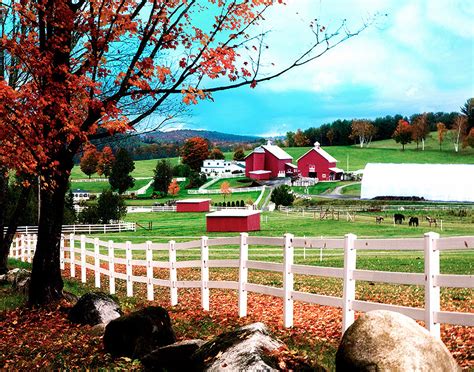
x: 46, y: 281
x: 3, y: 202
x: 6, y: 238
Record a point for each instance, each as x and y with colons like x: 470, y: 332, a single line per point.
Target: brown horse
x: 378, y: 219
x: 432, y: 220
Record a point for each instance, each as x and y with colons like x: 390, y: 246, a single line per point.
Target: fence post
x: 28, y: 247
x: 348, y: 281
x: 128, y: 256
x: 111, y: 267
x: 72, y: 264
x: 204, y: 273
x: 288, y: 281
x: 173, y: 273
x: 61, y: 253
x: 83, y: 258
x: 149, y: 271
x: 17, y: 244
x: 96, y: 263
x: 243, y: 274
x: 23, y: 248
x: 432, y: 292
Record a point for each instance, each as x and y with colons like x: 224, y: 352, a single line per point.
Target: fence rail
x: 89, y: 229
x: 218, y: 191
x: 76, y: 252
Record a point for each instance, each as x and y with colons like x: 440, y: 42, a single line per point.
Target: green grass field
x: 352, y: 190
x: 233, y: 182
x: 386, y: 151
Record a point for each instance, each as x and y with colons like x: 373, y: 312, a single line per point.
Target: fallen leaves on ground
x: 33, y: 339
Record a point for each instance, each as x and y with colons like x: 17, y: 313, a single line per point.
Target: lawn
x: 97, y: 187
x: 319, y: 188
x: 350, y: 157
x: 352, y: 190
x: 233, y: 183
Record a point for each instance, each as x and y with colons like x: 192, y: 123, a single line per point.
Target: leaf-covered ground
x: 34, y: 339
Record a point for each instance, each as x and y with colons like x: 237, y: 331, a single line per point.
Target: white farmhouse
x: 219, y: 167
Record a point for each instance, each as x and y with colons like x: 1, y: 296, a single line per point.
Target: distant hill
x: 184, y: 134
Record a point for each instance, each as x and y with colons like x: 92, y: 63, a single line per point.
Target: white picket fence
x: 78, y: 250
x: 218, y: 191
x: 89, y: 229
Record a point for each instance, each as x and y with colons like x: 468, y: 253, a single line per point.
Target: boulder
x: 98, y: 329
x: 15, y: 276
x: 246, y: 348
x: 139, y: 333
x: 174, y: 357
x: 95, y: 308
x: 387, y: 341
x: 22, y: 286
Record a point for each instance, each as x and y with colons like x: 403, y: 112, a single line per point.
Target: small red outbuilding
x: 193, y: 205
x: 233, y: 220
x: 317, y: 163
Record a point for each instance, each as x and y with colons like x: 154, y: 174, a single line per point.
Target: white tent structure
x: 440, y: 182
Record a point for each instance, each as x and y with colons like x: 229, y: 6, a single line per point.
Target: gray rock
x: 17, y: 275
x: 22, y: 286
x: 246, y: 348
x: 98, y: 329
x: 388, y: 341
x: 139, y: 333
x: 95, y: 308
x: 174, y: 357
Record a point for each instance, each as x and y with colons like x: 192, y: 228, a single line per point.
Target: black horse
x: 413, y: 221
x: 398, y: 218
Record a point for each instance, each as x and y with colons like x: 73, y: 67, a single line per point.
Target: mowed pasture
x: 386, y: 151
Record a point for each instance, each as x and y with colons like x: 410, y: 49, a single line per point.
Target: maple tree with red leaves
x: 91, y: 68
x: 106, y: 161
x: 89, y: 160
x: 194, y: 151
x: 173, y: 188
x: 403, y: 133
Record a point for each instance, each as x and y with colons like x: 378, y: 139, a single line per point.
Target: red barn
x: 269, y: 161
x: 317, y: 163
x: 233, y: 220
x: 193, y: 205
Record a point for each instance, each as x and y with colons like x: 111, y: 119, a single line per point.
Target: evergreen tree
x: 281, y: 196
x: 163, y: 177
x: 120, y: 179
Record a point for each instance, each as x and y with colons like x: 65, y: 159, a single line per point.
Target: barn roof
x: 440, y: 182
x: 321, y: 152
x: 277, y: 152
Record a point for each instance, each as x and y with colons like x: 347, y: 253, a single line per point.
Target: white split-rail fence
x: 88, y: 229
x: 78, y: 253
x: 218, y: 191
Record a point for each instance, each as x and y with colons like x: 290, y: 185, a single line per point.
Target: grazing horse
x: 431, y: 221
x: 413, y: 221
x: 398, y: 218
x: 378, y: 219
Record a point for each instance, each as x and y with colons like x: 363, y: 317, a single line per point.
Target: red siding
x: 233, y: 224
x: 202, y: 206
x: 272, y: 163
x: 255, y: 161
x: 321, y: 165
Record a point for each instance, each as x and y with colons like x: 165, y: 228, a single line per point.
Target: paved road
x: 337, y: 193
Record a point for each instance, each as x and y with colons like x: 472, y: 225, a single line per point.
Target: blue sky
x: 420, y: 57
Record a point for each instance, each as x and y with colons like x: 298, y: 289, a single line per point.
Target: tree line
x: 457, y: 126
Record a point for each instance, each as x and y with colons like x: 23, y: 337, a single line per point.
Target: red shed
x: 269, y: 161
x: 233, y: 220
x: 317, y: 163
x: 193, y: 205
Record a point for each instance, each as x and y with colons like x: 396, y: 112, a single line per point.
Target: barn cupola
x: 317, y: 145
x: 269, y: 142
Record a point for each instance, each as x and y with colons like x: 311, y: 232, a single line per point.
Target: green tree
x: 120, y: 179
x: 281, y: 195
x: 181, y: 170
x: 468, y: 110
x: 196, y: 180
x: 110, y: 207
x: 163, y: 177
x: 195, y: 150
